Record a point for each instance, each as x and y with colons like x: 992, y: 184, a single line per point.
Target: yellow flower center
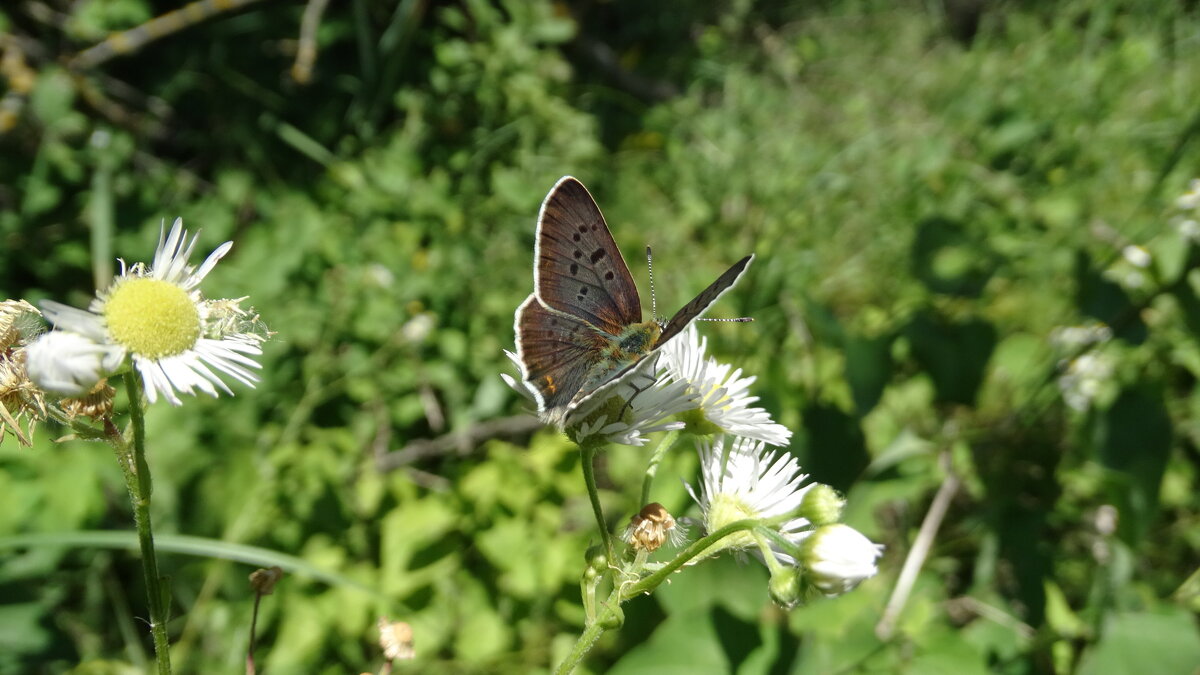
x: 698, y: 423
x: 725, y: 509
x: 152, y: 318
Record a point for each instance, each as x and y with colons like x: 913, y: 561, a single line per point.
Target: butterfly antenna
x: 740, y: 319
x: 650, y: 268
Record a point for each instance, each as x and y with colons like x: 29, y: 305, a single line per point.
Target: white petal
x: 68, y: 363
x: 75, y: 320
x: 209, y: 262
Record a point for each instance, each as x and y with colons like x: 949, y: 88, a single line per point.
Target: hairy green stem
x: 664, y: 445
x: 589, y: 477
x: 140, y: 489
x: 583, y: 645
x: 698, y: 547
x: 610, y: 615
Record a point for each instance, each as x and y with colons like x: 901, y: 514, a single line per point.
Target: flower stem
x: 697, y: 548
x: 664, y: 445
x: 589, y: 477
x: 583, y: 645
x: 610, y: 616
x: 140, y: 489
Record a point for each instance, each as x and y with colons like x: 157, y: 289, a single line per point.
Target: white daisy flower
x: 741, y: 480
x: 1137, y: 256
x: 1191, y: 198
x: 1069, y: 338
x: 1085, y: 377
x: 1188, y: 228
x: 625, y: 411
x: 725, y: 403
x: 158, y: 317
x: 838, y: 557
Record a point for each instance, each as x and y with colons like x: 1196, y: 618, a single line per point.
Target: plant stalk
x: 589, y: 477
x: 140, y: 488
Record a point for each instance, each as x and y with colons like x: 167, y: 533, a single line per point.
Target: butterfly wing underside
x: 578, y: 268
x: 557, y: 352
x: 691, y: 311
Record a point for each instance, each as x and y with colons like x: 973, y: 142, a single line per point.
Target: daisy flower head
x: 623, y: 411
x: 742, y: 480
x: 725, y: 404
x: 178, y: 341
x: 1190, y: 199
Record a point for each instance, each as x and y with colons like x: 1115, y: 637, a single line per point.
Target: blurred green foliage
x: 932, y: 190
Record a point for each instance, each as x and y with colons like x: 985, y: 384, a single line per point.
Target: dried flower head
x: 396, y: 639
x: 96, y: 404
x: 263, y: 580
x: 651, y: 527
x: 20, y: 398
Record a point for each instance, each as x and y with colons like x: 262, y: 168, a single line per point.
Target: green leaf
x: 685, y: 644
x: 954, y: 353
x: 1148, y: 643
x: 1133, y: 440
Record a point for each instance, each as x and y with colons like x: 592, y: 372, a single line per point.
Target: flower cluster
x: 156, y: 318
x: 795, y: 529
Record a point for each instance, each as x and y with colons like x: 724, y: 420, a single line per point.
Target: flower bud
x: 822, y: 505
x: 786, y: 588
x: 396, y: 639
x: 838, y: 558
x: 611, y: 617
x: 596, y: 558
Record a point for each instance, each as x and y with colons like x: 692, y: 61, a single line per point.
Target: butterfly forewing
x: 557, y: 352
x: 704, y: 300
x: 578, y: 268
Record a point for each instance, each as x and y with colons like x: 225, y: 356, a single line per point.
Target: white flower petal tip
x: 724, y: 401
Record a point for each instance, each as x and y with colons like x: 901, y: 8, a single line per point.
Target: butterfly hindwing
x: 578, y: 268
x: 704, y: 300
x: 557, y: 351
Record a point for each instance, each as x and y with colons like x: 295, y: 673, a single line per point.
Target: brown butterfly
x: 582, y: 328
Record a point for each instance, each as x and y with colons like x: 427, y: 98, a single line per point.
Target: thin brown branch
x: 306, y: 47
x: 130, y: 41
x: 457, y: 442
x: 919, y: 551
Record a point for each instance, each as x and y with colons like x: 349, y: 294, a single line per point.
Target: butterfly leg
x: 637, y: 390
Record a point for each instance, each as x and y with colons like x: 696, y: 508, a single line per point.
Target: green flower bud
x: 786, y: 588
x: 822, y: 505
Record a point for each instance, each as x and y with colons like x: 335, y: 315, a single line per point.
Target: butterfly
x: 581, y: 329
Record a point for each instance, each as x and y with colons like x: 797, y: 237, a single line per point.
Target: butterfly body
x: 581, y: 329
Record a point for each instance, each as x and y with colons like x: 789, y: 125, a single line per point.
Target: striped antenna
x: 650, y: 267
x: 740, y: 319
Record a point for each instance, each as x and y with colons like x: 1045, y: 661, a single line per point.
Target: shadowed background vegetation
x: 931, y: 191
